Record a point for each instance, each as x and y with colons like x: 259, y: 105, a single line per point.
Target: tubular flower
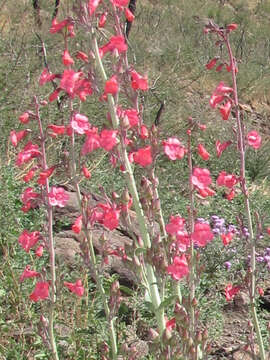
x: 225, y: 110
x: 28, y: 273
x: 228, y: 180
x: 138, y: 81
x: 79, y: 123
x: 67, y: 59
x: 201, y: 178
x: 211, y: 63
x: 77, y: 288
x: 173, y: 148
x: 58, y: 196
x: 231, y: 291
x: 221, y: 147
x: 254, y: 139
x: 204, y: 154
x: 142, y: 157
x: 179, y: 268
x: 28, y: 240
x: 202, y: 234
x: 41, y: 291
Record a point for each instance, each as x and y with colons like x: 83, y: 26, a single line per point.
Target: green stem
x: 151, y: 278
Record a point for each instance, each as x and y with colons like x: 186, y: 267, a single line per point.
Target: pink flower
x: 29, y: 199
x: 108, y: 139
x: 173, y: 148
x: 211, y: 63
x: 77, y: 288
x: 39, y: 251
x: 132, y: 116
x: 221, y: 147
x: 129, y: 15
x: 41, y: 291
x: 176, y: 224
x: 115, y: 43
x: 29, y: 152
x: 28, y: 240
x: 179, y: 268
x: 57, y: 130
x: 231, y: 291
x: 170, y: 324
x: 92, y: 141
x: 46, y: 76
x: 54, y: 95
x: 144, y: 132
x: 57, y: 27
x: 107, y: 215
x: 206, y: 192
x: 44, y: 175
x: 120, y: 3
x: 28, y: 273
x: 230, y: 195
x: 201, y: 178
x: 111, y: 86
x: 225, y: 110
x: 69, y: 81
x: 58, y: 196
x: 228, y: 180
x: 231, y: 27
x: 79, y: 123
x: 219, y: 94
x: 226, y: 238
x: 138, y: 81
x: 142, y: 157
x: 29, y: 176
x: 102, y: 20
x: 86, y: 172
x: 92, y: 6
x: 24, y: 118
x: 16, y: 137
x: 67, y: 59
x: 202, y: 234
x: 254, y: 139
x: 77, y: 226
x: 204, y: 154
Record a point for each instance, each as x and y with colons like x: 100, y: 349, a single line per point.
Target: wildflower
x: 57, y: 27
x: 107, y: 215
x: 179, y: 268
x: 29, y: 176
x: 129, y: 15
x: 44, y: 175
x: 225, y: 110
x: 102, y: 20
x: 77, y: 288
x: 231, y: 291
x: 79, y: 123
x: 230, y: 195
x: 24, y: 118
x: 39, y: 251
x: 228, y: 180
x: 108, y: 139
x: 46, y: 76
x: 67, y: 59
x: 77, y: 226
x: 29, y: 152
x: 173, y: 148
x: 202, y: 234
x: 120, y: 3
x: 254, y: 139
x: 116, y: 43
x: 176, y: 224
x: 28, y: 273
x: 16, y: 137
x: 221, y: 147
x: 92, y: 141
x: 227, y: 265
x: 86, y: 172
x: 92, y: 6
x: 138, y: 81
x: 29, y: 199
x: 40, y: 292
x: 227, y: 238
x: 211, y: 63
x: 58, y: 196
x: 132, y: 116
x: 82, y: 56
x: 28, y: 239
x: 203, y: 152
x: 142, y: 157
x: 57, y: 130
x: 231, y: 27
x: 201, y: 178
x: 111, y: 86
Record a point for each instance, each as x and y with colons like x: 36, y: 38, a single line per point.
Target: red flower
x: 28, y: 240
x: 24, y: 118
x: 211, y: 63
x: 176, y: 224
x: 225, y: 110
x: 179, y: 268
x: 107, y: 215
x: 129, y: 15
x: 173, y: 148
x: 201, y: 178
x: 69, y: 81
x: 29, y: 152
x: 28, y: 198
x: 92, y: 6
x: 226, y: 238
x: 46, y: 76
x: 57, y: 130
x: 28, y: 273
x: 204, y: 154
x: 102, y: 20
x: 132, y: 115
x: 218, y: 95
x: 254, y: 139
x: 82, y: 56
x: 54, y: 95
x: 92, y: 141
x: 138, y: 81
x: 77, y: 288
x: 120, y: 3
x: 202, y: 234
x: 231, y: 291
x: 142, y: 157
x: 67, y: 59
x: 39, y: 251
x: 231, y: 195
x: 108, y: 139
x: 221, y: 147
x: 79, y: 123
x: 58, y: 196
x: 29, y: 176
x: 86, y: 172
x: 115, y: 43
x: 41, y: 291
x: 228, y: 180
x: 144, y: 133
x: 111, y: 86
x: 15, y: 138
x: 77, y: 226
x: 206, y: 192
x: 44, y: 175
x: 231, y: 27
x: 170, y: 324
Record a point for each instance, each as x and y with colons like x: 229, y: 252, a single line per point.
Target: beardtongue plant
x: 103, y: 72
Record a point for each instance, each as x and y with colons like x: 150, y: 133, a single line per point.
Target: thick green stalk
x: 151, y: 278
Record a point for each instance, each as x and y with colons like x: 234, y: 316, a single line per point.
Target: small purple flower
x: 267, y: 258
x: 227, y: 265
x: 260, y: 258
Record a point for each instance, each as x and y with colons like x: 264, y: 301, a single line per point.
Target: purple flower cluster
x: 264, y: 257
